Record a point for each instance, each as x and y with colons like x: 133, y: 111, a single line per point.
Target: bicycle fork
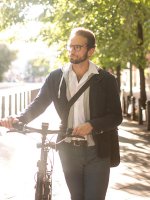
x: 43, y: 188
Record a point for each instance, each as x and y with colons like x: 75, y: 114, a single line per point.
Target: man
x: 95, y: 116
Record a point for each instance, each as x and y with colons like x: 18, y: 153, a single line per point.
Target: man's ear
x: 91, y: 51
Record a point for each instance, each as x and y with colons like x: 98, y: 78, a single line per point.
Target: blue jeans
x: 86, y: 174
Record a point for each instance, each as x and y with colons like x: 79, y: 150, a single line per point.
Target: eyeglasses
x: 76, y: 48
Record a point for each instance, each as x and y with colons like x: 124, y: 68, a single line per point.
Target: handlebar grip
x: 18, y: 125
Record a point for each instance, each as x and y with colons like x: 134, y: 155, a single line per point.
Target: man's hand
x: 83, y: 129
x: 8, y: 122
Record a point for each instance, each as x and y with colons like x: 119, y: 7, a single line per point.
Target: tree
x: 136, y: 14
x: 37, y: 69
x: 121, y: 28
x: 13, y: 12
x: 6, y: 57
x: 117, y: 24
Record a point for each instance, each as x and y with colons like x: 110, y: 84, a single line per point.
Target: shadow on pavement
x: 134, y: 171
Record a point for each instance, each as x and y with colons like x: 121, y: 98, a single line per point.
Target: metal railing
x: 14, y: 100
x: 132, y: 108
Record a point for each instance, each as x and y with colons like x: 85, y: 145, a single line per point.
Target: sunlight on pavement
x: 131, y: 179
x: 17, y: 166
x: 19, y: 156
x: 18, y: 162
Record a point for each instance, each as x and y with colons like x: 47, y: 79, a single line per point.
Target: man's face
x: 78, y: 49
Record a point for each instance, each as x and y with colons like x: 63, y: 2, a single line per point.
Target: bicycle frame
x: 43, y: 188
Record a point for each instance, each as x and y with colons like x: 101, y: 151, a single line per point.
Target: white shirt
x: 74, y: 86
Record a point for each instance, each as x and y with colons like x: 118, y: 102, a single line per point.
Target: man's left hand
x: 83, y: 129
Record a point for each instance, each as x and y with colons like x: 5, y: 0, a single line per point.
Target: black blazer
x: 105, y: 107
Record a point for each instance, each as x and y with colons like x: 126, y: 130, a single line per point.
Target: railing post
x: 24, y: 100
x: 140, y: 118
x: 133, y: 108
x: 123, y: 103
x: 14, y: 102
x: 128, y: 106
x: 148, y: 114
x: 3, y: 106
x: 29, y: 97
x: 9, y: 104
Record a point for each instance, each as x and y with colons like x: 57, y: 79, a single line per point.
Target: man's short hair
x: 85, y: 33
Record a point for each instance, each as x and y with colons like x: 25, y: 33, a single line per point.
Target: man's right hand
x: 8, y: 122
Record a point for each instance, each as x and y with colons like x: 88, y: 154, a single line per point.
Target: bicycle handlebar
x: 23, y: 128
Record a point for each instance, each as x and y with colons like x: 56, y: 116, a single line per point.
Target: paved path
x: 19, y: 155
x: 131, y: 179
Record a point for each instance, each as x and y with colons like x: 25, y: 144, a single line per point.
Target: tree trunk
x: 142, y: 87
x: 141, y: 69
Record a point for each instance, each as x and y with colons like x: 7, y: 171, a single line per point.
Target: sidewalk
x: 131, y: 179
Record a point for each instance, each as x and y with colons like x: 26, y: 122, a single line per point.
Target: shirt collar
x: 93, y: 69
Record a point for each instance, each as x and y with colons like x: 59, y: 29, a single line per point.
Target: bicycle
x: 43, y: 186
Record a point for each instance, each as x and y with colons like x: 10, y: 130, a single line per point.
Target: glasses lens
x: 74, y: 47
x: 77, y: 47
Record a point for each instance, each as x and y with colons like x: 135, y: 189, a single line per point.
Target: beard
x: 79, y: 60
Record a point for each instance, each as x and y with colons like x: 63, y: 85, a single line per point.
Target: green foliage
x: 114, y: 22
x: 13, y: 12
x: 9, y: 13
x: 121, y: 27
x: 6, y: 57
x: 38, y: 67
